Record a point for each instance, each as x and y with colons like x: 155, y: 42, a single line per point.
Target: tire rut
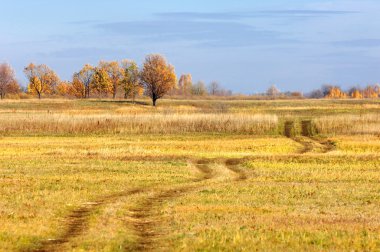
x: 309, y: 142
x: 76, y: 223
x: 233, y: 165
x: 328, y: 145
x: 307, y: 146
x: 146, y: 218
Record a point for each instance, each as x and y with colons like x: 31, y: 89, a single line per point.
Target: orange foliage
x: 356, y: 94
x: 370, y: 92
x: 63, y: 88
x: 336, y: 93
x: 157, y: 76
x: 77, y: 88
x: 42, y: 80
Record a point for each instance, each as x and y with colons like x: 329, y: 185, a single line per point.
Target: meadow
x: 189, y: 175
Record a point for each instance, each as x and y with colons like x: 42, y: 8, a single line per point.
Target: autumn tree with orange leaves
x: 336, y: 93
x: 356, y: 94
x: 64, y: 88
x: 157, y: 76
x: 42, y: 80
x: 77, y: 88
x: 370, y: 92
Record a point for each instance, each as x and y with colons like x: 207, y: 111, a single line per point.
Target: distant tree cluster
x: 328, y: 92
x: 335, y: 92
x: 155, y: 79
x: 186, y: 88
x: 110, y: 78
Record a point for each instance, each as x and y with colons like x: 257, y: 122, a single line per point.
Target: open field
x: 189, y: 175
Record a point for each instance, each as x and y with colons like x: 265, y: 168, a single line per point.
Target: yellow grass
x: 258, y: 190
x: 30, y: 123
x: 349, y: 124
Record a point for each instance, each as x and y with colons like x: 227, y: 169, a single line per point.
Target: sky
x: 246, y: 45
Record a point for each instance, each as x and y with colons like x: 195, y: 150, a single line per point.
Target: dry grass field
x: 91, y: 175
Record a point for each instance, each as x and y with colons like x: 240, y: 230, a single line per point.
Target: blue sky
x: 246, y: 45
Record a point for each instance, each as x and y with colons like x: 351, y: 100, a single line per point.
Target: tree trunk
x: 39, y: 96
x: 87, y: 92
x: 154, y: 99
x: 114, y: 90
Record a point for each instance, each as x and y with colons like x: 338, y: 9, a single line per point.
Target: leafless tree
x: 8, y: 81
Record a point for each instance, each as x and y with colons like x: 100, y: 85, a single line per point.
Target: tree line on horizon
x: 155, y: 79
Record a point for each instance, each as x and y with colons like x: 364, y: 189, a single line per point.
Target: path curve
x: 146, y: 219
x: 233, y: 165
x: 76, y: 223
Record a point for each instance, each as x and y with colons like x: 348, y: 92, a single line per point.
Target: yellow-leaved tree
x: 42, y: 80
x: 115, y: 74
x: 131, y: 82
x: 101, y: 82
x: 157, y: 76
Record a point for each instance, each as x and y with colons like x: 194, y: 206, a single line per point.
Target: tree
x: 131, y: 81
x: 199, y: 89
x: 63, y: 88
x: 8, y: 82
x: 370, y: 92
x: 115, y: 74
x: 77, y: 88
x: 273, y: 91
x: 326, y: 89
x: 42, y: 80
x: 336, y: 93
x: 101, y: 82
x: 185, y: 84
x: 214, y: 88
x: 157, y: 76
x: 356, y: 94
x: 84, y: 78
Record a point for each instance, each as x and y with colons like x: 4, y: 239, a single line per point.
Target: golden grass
x: 349, y: 124
x: 58, y: 155
x: 290, y: 201
x: 72, y: 117
x: 31, y: 123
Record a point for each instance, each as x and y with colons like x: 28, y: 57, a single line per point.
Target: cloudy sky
x: 246, y: 45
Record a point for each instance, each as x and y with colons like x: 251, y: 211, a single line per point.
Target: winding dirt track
x: 76, y: 223
x: 309, y: 144
x: 233, y: 165
x: 146, y: 219
x: 327, y: 144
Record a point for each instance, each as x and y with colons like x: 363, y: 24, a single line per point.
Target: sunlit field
x: 197, y: 175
